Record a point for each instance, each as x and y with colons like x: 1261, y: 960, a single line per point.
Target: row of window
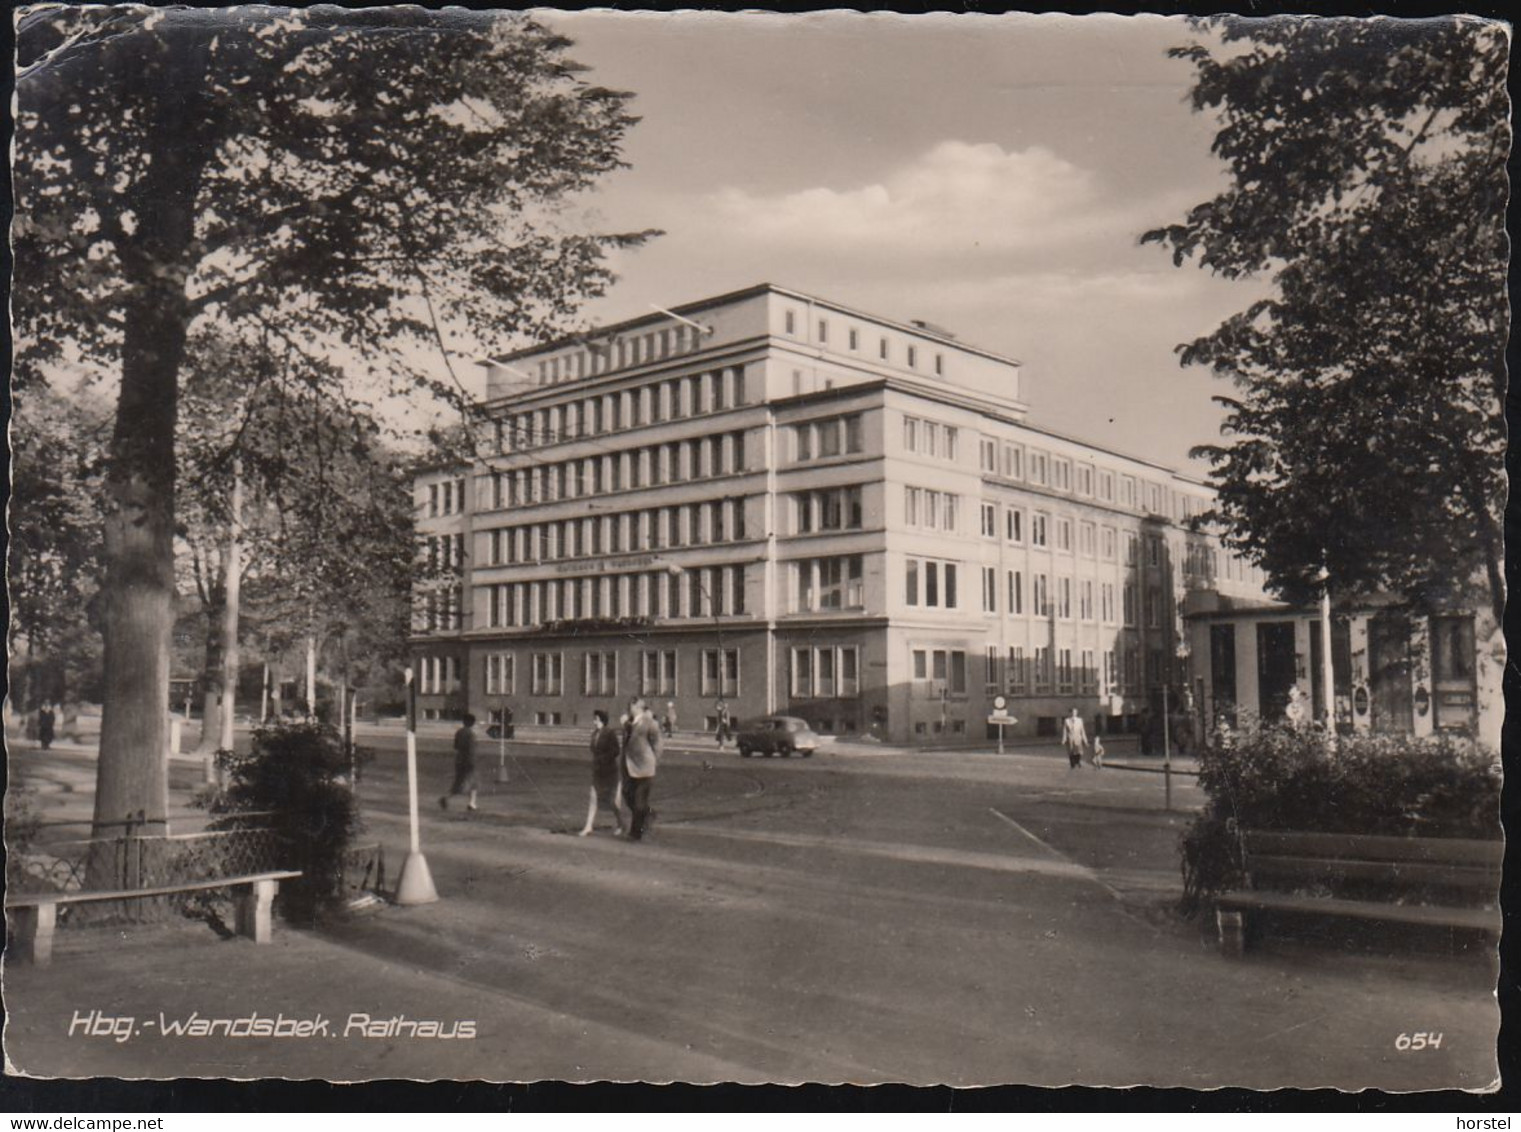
x: 1048, y: 669
x: 931, y: 510
x: 440, y: 609
x: 1014, y: 462
x: 1047, y: 600
x: 829, y: 436
x: 853, y: 339
x: 446, y: 498
x: 656, y: 673
x: 825, y: 672
x: 831, y: 509
x: 710, y: 591
x: 679, y: 461
x: 444, y: 553
x: 828, y: 583
x: 931, y: 438
x: 672, y: 399
x: 623, y: 349
x: 691, y: 524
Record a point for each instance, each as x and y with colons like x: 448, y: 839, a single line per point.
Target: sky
x: 991, y: 174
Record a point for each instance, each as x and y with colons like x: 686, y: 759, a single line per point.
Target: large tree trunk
x: 138, y: 589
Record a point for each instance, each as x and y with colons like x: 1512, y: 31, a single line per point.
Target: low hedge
x: 1296, y: 778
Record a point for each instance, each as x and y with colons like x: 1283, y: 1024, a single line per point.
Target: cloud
x: 956, y: 198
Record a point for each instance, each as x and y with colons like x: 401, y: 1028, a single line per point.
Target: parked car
x: 777, y: 735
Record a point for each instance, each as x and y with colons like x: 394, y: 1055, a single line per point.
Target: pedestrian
x: 641, y: 758
x: 47, y: 721
x: 606, y: 787
x: 723, y: 726
x: 1075, y: 737
x: 668, y: 724
x: 1098, y: 752
x: 464, y: 765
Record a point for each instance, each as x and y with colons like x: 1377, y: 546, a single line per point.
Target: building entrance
x: 1275, y: 669
x: 1389, y: 672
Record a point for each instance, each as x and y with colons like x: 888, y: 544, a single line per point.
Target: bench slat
x: 1376, y: 847
x: 1481, y: 879
x: 34, y: 899
x: 1483, y: 919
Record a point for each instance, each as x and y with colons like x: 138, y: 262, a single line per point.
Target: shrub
x: 298, y: 774
x: 1288, y: 778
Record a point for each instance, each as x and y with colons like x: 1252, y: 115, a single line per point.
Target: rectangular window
x: 1014, y: 524
x: 499, y: 674
x: 1039, y: 599
x: 1038, y: 529
x: 1129, y: 602
x: 1013, y: 462
x: 1085, y: 600
x: 600, y: 674
x: 1064, y: 682
x: 988, y: 455
x: 913, y: 357
x: 989, y: 520
x: 1085, y: 539
x: 1064, y: 534
x: 1016, y: 592
x: 720, y: 672
x: 989, y: 589
x: 1064, y: 597
x: 921, y: 664
x: 911, y: 580
x: 1107, y: 541
x: 1015, y: 676
x: 548, y: 674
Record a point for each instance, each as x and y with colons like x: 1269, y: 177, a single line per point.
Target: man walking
x: 1075, y: 737
x: 723, y: 727
x: 641, y: 756
x: 669, y: 722
x: 464, y: 765
x: 606, y: 751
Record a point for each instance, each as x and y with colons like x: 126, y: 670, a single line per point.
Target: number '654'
x: 1419, y: 1041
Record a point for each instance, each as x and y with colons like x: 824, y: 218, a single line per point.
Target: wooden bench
x: 1458, y: 878
x: 37, y: 915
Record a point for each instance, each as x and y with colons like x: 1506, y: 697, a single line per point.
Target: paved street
x: 964, y: 918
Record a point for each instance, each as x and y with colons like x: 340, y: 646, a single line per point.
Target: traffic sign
x: 999, y: 705
x: 1003, y: 718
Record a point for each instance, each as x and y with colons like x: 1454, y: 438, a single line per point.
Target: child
x: 1098, y: 752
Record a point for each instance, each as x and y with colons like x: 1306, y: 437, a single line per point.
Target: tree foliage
x: 1366, y: 163
x: 366, y: 180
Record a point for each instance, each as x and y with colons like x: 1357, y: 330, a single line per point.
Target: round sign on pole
x: 999, y: 703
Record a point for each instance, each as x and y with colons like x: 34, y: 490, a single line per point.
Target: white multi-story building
x: 807, y: 510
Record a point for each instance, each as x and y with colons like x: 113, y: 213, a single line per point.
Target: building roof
x: 916, y: 327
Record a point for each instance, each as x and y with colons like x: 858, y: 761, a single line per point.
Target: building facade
x: 1393, y: 671
x: 799, y: 508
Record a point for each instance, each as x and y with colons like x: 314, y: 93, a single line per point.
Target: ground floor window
x: 547, y: 718
x: 720, y: 672
x: 548, y: 674
x: 600, y: 672
x: 499, y: 674
x: 825, y: 672
x: 943, y: 669
x: 657, y: 672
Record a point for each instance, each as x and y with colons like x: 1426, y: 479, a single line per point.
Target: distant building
x: 802, y: 509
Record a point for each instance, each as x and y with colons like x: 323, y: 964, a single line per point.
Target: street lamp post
x: 1327, y: 665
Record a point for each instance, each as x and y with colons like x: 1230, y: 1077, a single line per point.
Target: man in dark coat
x: 607, y: 766
x: 464, y: 764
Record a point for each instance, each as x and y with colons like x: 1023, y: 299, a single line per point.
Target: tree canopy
x: 352, y: 182
x: 1367, y: 180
